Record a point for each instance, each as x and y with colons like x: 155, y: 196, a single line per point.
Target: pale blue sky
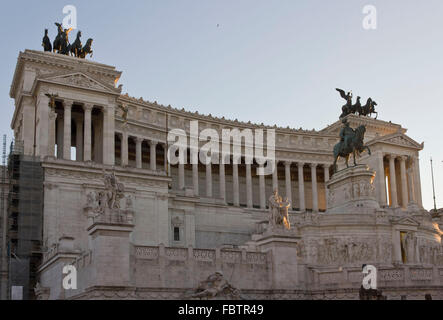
x: 276, y: 62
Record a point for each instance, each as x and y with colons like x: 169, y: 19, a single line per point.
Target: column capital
x: 326, y: 165
x: 288, y: 163
x: 153, y: 142
x: 313, y: 165
x: 300, y: 164
x: 139, y: 139
x: 67, y: 103
x: 403, y: 158
x: 391, y: 156
x: 88, y: 107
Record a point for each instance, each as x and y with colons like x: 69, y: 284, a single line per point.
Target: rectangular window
x: 176, y: 234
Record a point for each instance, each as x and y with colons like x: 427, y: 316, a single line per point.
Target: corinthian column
x: 195, y: 178
x: 392, y: 181
x: 288, y: 182
x: 67, y: 129
x: 222, y: 180
x: 209, y: 180
x: 235, y: 184
x: 124, y: 146
x: 87, y: 133
x: 275, y: 177
x: 301, y: 186
x: 153, y: 155
x: 248, y: 186
x: 262, y: 189
x: 108, y: 135
x: 326, y: 173
x: 380, y: 179
x: 138, y: 152
x: 181, y: 176
x: 411, y: 189
x: 79, y: 139
x: 59, y: 137
x: 314, y: 187
x: 52, y: 133
x: 417, y: 184
x: 404, y: 184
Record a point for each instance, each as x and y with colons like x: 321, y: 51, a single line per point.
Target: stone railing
x: 52, y: 252
x: 208, y: 255
x: 166, y: 267
x: 83, y: 260
x: 401, y: 276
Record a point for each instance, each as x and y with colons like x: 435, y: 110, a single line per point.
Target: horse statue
x: 46, y: 43
x: 61, y: 43
x: 357, y: 106
x: 369, y: 108
x: 57, y: 44
x: 86, y: 49
x: 351, y: 143
x: 65, y: 46
x: 76, y: 46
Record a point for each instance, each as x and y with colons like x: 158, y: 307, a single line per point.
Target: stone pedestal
x: 283, y: 246
x: 110, y: 245
x: 352, y: 191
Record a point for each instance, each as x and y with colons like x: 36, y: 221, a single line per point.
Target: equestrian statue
x: 351, y: 142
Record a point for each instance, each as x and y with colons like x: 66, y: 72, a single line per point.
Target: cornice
x: 73, y: 80
x: 61, y: 62
x: 390, y: 140
x: 354, y: 120
x: 215, y: 120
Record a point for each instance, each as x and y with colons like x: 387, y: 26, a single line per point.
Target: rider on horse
x: 346, y: 134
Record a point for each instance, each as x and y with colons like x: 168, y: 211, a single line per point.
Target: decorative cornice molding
x: 398, y: 139
x: 78, y: 80
x: 61, y: 62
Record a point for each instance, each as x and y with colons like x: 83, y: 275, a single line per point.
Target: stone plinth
x: 352, y: 191
x: 110, y: 246
x: 283, y: 246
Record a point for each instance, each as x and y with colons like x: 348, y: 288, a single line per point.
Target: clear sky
x: 276, y: 62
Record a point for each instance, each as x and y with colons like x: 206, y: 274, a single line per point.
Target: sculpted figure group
x: 278, y: 211
x: 214, y: 286
x: 61, y: 43
x: 107, y: 202
x: 367, y: 110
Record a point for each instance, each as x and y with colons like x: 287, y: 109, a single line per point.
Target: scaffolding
x: 3, y: 227
x: 25, y: 212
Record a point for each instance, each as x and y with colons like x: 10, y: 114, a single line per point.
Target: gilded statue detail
x: 61, y: 43
x: 278, y: 211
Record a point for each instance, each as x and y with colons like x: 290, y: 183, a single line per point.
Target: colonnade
x: 402, y: 180
x: 89, y: 123
x: 286, y: 192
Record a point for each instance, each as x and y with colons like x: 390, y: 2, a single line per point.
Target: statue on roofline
x: 61, y: 43
x: 367, y: 110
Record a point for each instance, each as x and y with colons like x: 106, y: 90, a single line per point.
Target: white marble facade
x: 206, y: 216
